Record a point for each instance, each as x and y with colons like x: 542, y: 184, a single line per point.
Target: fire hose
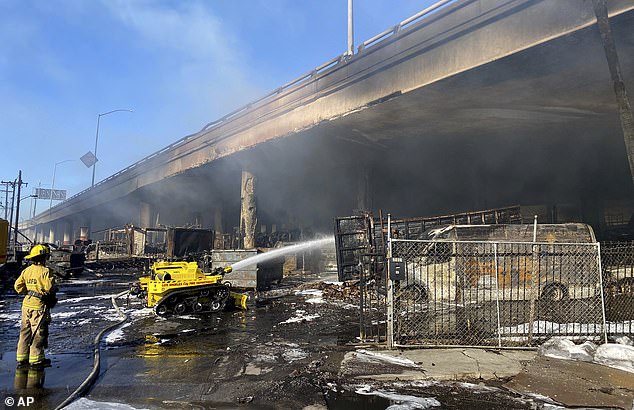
x: 81, y: 390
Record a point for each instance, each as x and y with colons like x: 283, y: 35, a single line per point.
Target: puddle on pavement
x: 347, y: 400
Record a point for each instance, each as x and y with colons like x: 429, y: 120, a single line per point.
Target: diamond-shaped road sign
x: 89, y: 159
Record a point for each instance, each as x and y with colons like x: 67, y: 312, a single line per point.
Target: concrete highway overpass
x: 478, y: 104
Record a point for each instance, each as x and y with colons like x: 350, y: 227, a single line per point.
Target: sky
x: 177, y: 64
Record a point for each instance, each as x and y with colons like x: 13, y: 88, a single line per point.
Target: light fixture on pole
x: 97, y: 140
x: 50, y: 204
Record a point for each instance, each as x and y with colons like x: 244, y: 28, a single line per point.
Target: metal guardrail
x: 286, y: 87
x: 403, y: 24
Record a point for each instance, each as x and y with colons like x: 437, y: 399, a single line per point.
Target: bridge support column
x: 620, y: 92
x: 51, y: 233
x: 83, y: 232
x: 363, y: 190
x: 218, y: 227
x: 248, y: 215
x: 67, y: 233
x: 145, y: 216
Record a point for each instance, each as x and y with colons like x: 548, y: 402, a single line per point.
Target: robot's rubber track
x: 197, y: 299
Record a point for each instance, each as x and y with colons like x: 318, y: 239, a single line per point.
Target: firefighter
x: 39, y: 287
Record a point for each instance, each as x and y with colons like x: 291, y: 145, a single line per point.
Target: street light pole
x: 350, y: 51
x: 97, y: 139
x: 50, y: 204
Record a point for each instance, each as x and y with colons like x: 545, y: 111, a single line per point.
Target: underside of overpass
x: 538, y: 127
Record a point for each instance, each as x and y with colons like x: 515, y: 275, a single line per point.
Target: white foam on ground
x: 309, y: 292
x: 265, y: 358
x: 548, y: 406
x: 542, y: 398
x: 141, y: 312
x: 402, y: 401
x: 476, y: 387
x: 10, y: 316
x: 87, y: 404
x: 292, y: 355
x: 86, y: 281
x: 374, y: 357
x: 80, y: 322
x: 65, y: 315
x: 116, y: 334
x: 562, y: 348
x: 316, y: 293
x: 618, y: 356
x: 190, y: 317
x: 330, y: 282
x: 300, y: 316
x: 417, y: 383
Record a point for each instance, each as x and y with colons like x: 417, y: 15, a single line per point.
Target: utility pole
x: 17, y: 212
x: 12, y: 207
x: 6, y: 198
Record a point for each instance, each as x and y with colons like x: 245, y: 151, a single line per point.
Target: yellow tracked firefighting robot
x: 182, y: 287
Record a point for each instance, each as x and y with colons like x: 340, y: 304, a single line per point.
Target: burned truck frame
x: 362, y: 239
x: 133, y: 247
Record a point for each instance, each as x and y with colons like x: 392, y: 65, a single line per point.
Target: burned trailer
x: 497, y: 284
x: 551, y: 262
x: 121, y: 248
x: 66, y: 260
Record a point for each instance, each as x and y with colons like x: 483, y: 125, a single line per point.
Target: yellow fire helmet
x: 38, y: 250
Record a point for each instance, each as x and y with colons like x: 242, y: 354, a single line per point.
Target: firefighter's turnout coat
x: 36, y: 282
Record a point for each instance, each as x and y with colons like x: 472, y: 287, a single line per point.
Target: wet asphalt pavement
x: 282, y: 353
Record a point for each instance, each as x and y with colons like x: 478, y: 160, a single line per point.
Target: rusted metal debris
x: 343, y: 291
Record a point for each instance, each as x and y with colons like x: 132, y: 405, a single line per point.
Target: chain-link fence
x: 495, y: 293
x: 617, y: 260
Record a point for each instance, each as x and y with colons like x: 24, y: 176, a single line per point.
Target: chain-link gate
x: 361, y: 256
x: 617, y: 260
x: 494, y: 293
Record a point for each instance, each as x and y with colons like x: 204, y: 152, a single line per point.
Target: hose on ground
x: 96, y: 355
